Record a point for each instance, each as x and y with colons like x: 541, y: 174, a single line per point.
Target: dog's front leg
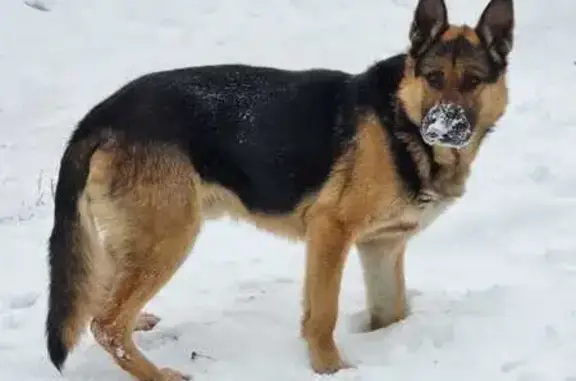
x: 328, y: 242
x: 382, y: 262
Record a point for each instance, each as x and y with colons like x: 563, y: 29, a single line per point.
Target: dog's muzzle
x: 446, y: 124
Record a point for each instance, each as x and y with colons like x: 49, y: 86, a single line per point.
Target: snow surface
x: 492, y: 282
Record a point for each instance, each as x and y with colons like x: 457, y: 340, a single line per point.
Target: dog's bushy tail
x: 69, y: 253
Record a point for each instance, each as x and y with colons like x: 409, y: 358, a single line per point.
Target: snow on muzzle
x: 446, y: 124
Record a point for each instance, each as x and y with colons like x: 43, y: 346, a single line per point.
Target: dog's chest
x: 429, y: 209
x: 409, y: 218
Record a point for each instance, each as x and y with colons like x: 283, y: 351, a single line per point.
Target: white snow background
x: 492, y: 282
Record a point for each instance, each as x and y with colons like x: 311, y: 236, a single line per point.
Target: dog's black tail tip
x: 57, y: 350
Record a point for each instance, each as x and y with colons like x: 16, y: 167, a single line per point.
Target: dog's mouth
x: 447, y: 125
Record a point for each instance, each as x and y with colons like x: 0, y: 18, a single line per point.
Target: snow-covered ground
x: 492, y: 283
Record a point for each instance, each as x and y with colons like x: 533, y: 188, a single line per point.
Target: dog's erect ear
x: 430, y: 19
x: 496, y: 26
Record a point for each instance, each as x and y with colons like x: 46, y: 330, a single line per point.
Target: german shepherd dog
x: 326, y: 157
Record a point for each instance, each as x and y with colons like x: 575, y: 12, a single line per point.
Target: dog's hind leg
x: 147, y: 209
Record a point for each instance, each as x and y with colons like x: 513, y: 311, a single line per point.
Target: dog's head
x: 454, y: 83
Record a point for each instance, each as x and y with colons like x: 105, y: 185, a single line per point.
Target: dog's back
x: 269, y: 135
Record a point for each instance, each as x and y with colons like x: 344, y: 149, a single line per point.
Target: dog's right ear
x: 496, y: 28
x: 430, y: 19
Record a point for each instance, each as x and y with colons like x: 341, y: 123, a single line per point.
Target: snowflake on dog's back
x: 233, y: 102
x: 211, y: 97
x: 247, y: 116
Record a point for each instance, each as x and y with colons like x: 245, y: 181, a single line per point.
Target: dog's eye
x: 470, y: 81
x: 435, y: 79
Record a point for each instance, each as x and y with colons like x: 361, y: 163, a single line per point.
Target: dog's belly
x: 217, y: 202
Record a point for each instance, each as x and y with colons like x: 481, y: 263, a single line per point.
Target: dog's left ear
x: 496, y: 26
x: 430, y: 19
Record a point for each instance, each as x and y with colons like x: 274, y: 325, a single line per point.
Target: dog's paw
x: 364, y: 322
x: 330, y: 365
x: 325, y: 358
x: 173, y: 375
x: 146, y: 322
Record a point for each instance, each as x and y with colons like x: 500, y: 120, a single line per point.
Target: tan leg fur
x: 328, y: 244
x: 145, y: 207
x: 382, y: 262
